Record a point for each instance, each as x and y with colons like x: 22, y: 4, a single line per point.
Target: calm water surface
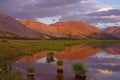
x: 103, y: 62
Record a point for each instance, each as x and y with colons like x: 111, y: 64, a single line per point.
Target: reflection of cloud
x: 43, y: 60
x: 105, y: 72
x: 106, y: 55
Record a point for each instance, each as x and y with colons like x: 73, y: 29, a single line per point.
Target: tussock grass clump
x: 30, y: 69
x: 60, y: 62
x: 79, y: 69
x: 49, y: 54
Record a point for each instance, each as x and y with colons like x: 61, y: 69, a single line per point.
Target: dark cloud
x: 55, y: 3
x: 112, y: 16
x: 43, y: 8
x: 115, y: 12
x: 12, y: 7
x: 58, y: 8
x: 86, y: 10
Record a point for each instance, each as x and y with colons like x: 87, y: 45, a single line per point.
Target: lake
x: 102, y: 61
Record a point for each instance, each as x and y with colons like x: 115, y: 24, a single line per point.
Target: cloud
x: 105, y: 8
x: 87, y: 10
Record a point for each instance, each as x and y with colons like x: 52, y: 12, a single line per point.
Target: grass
x: 6, y: 64
x: 11, y: 76
x: 12, y: 49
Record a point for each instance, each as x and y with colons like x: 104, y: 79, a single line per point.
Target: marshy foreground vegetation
x: 11, y: 50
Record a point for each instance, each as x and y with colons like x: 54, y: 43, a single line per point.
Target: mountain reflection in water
x: 103, y: 62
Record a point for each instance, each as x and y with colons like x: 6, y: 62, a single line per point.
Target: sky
x: 100, y: 13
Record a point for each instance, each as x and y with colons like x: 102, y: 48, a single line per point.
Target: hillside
x: 9, y: 27
x: 113, y: 30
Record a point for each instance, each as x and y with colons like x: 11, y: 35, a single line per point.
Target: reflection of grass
x: 16, y: 48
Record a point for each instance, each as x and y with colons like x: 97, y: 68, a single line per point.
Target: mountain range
x: 70, y: 29
x: 11, y: 28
